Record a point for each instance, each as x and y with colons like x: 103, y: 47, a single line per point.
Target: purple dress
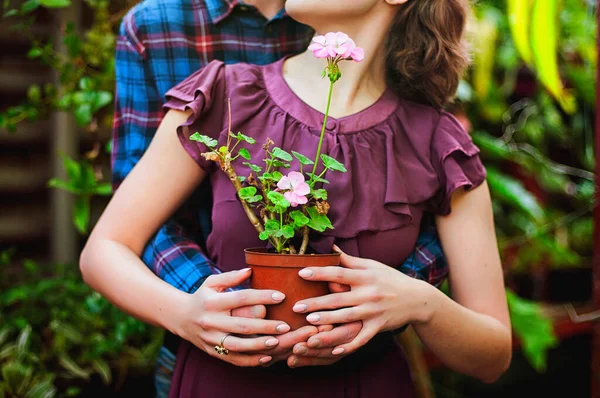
x: 403, y: 159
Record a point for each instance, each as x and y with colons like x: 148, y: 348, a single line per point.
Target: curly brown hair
x: 426, y: 52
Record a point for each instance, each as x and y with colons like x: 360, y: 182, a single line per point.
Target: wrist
x: 427, y: 301
x: 173, y: 316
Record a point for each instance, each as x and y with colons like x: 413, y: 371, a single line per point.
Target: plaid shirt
x: 162, y: 42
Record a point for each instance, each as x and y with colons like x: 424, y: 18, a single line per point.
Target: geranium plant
x: 284, y: 208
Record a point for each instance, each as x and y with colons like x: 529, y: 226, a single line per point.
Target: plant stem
x: 238, y: 185
x: 322, y: 131
x: 304, y: 245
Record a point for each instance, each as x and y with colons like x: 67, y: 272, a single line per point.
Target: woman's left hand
x: 380, y: 296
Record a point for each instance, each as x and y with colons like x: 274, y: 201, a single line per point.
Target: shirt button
x: 331, y: 125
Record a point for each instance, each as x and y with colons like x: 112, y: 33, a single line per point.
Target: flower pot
x: 280, y: 272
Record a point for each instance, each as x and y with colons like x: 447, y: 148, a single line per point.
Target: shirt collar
x: 220, y: 9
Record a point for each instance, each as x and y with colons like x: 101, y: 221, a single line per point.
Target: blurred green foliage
x: 56, y: 333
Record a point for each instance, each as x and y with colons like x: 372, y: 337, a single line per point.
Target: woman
x: 406, y: 159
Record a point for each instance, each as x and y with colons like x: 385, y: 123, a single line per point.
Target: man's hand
x: 317, y: 351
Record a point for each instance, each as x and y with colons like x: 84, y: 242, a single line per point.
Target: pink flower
x: 336, y: 45
x: 296, y: 188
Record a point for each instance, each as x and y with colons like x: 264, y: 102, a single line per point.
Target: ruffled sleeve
x: 203, y: 93
x: 456, y: 160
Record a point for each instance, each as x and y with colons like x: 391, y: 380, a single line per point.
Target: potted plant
x: 285, y: 208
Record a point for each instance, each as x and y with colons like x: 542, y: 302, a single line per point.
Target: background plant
x: 528, y: 97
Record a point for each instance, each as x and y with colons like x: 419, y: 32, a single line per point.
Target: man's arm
x: 171, y: 253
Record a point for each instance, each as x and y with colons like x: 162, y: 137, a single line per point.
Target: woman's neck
x: 361, y: 83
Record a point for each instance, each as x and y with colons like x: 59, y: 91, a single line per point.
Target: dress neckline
x: 287, y: 100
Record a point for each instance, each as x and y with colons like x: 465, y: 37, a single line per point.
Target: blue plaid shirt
x: 161, y: 42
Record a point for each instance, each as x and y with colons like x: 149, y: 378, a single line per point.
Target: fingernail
x: 244, y: 270
x: 314, y: 343
x: 313, y: 318
x: 278, y: 296
x: 301, y: 350
x: 271, y: 342
x: 300, y: 307
x: 265, y: 360
x: 283, y: 328
x: 293, y: 362
x: 338, y: 351
x: 306, y: 273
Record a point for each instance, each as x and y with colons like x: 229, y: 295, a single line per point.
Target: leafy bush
x: 57, y: 333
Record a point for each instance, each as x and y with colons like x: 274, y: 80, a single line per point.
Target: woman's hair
x: 426, y: 51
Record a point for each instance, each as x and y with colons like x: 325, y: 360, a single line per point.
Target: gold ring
x: 220, y: 349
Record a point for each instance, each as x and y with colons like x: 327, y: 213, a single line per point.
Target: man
x: 161, y: 42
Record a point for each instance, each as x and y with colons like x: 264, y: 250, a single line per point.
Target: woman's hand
x: 380, y: 296
x: 208, y: 317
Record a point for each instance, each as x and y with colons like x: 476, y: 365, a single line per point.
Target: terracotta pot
x: 280, y: 272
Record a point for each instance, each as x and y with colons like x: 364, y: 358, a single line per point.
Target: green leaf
x: 4, y: 333
x: 319, y: 179
x: 254, y: 199
x: 10, y: 13
x: 247, y: 193
x: 81, y: 213
x: 544, y: 46
x: 204, y: 139
x: 104, y: 189
x: 512, y: 192
x: 103, y: 98
x: 281, y: 154
x: 34, y: 93
x: 277, y: 176
x: 23, y: 340
x: 103, y: 369
x: 519, y: 21
x: 72, y: 367
x: 535, y: 331
x: 86, y: 84
x: 241, y: 178
x: 288, y: 231
x: 29, y: 6
x: 43, y: 389
x: 16, y: 376
x: 73, y: 392
x: 35, y: 52
x: 264, y: 235
x: 243, y: 137
x: 278, y: 199
x: 253, y: 167
x: 333, y: 164
x: 272, y: 225
x: 318, y: 222
x: 245, y: 154
x: 302, y: 159
x: 320, y: 194
x: 299, y: 218
x: 55, y: 3
x: 277, y: 164
x: 64, y: 185
x: 83, y: 114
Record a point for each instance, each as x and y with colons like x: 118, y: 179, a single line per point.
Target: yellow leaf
x: 519, y: 12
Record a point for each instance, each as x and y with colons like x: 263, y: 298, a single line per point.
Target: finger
x: 363, y: 337
x: 227, y: 279
x: 338, y: 288
x: 332, y: 274
x: 296, y: 361
x: 343, y: 315
x: 257, y: 311
x: 288, y: 340
x: 237, y: 325
x: 229, y: 300
x: 324, y: 328
x: 349, y: 261
x: 341, y: 334
x: 328, y: 302
x: 248, y: 345
x: 242, y: 360
x: 303, y: 350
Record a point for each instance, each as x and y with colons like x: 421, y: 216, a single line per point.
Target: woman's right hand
x: 207, y: 317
